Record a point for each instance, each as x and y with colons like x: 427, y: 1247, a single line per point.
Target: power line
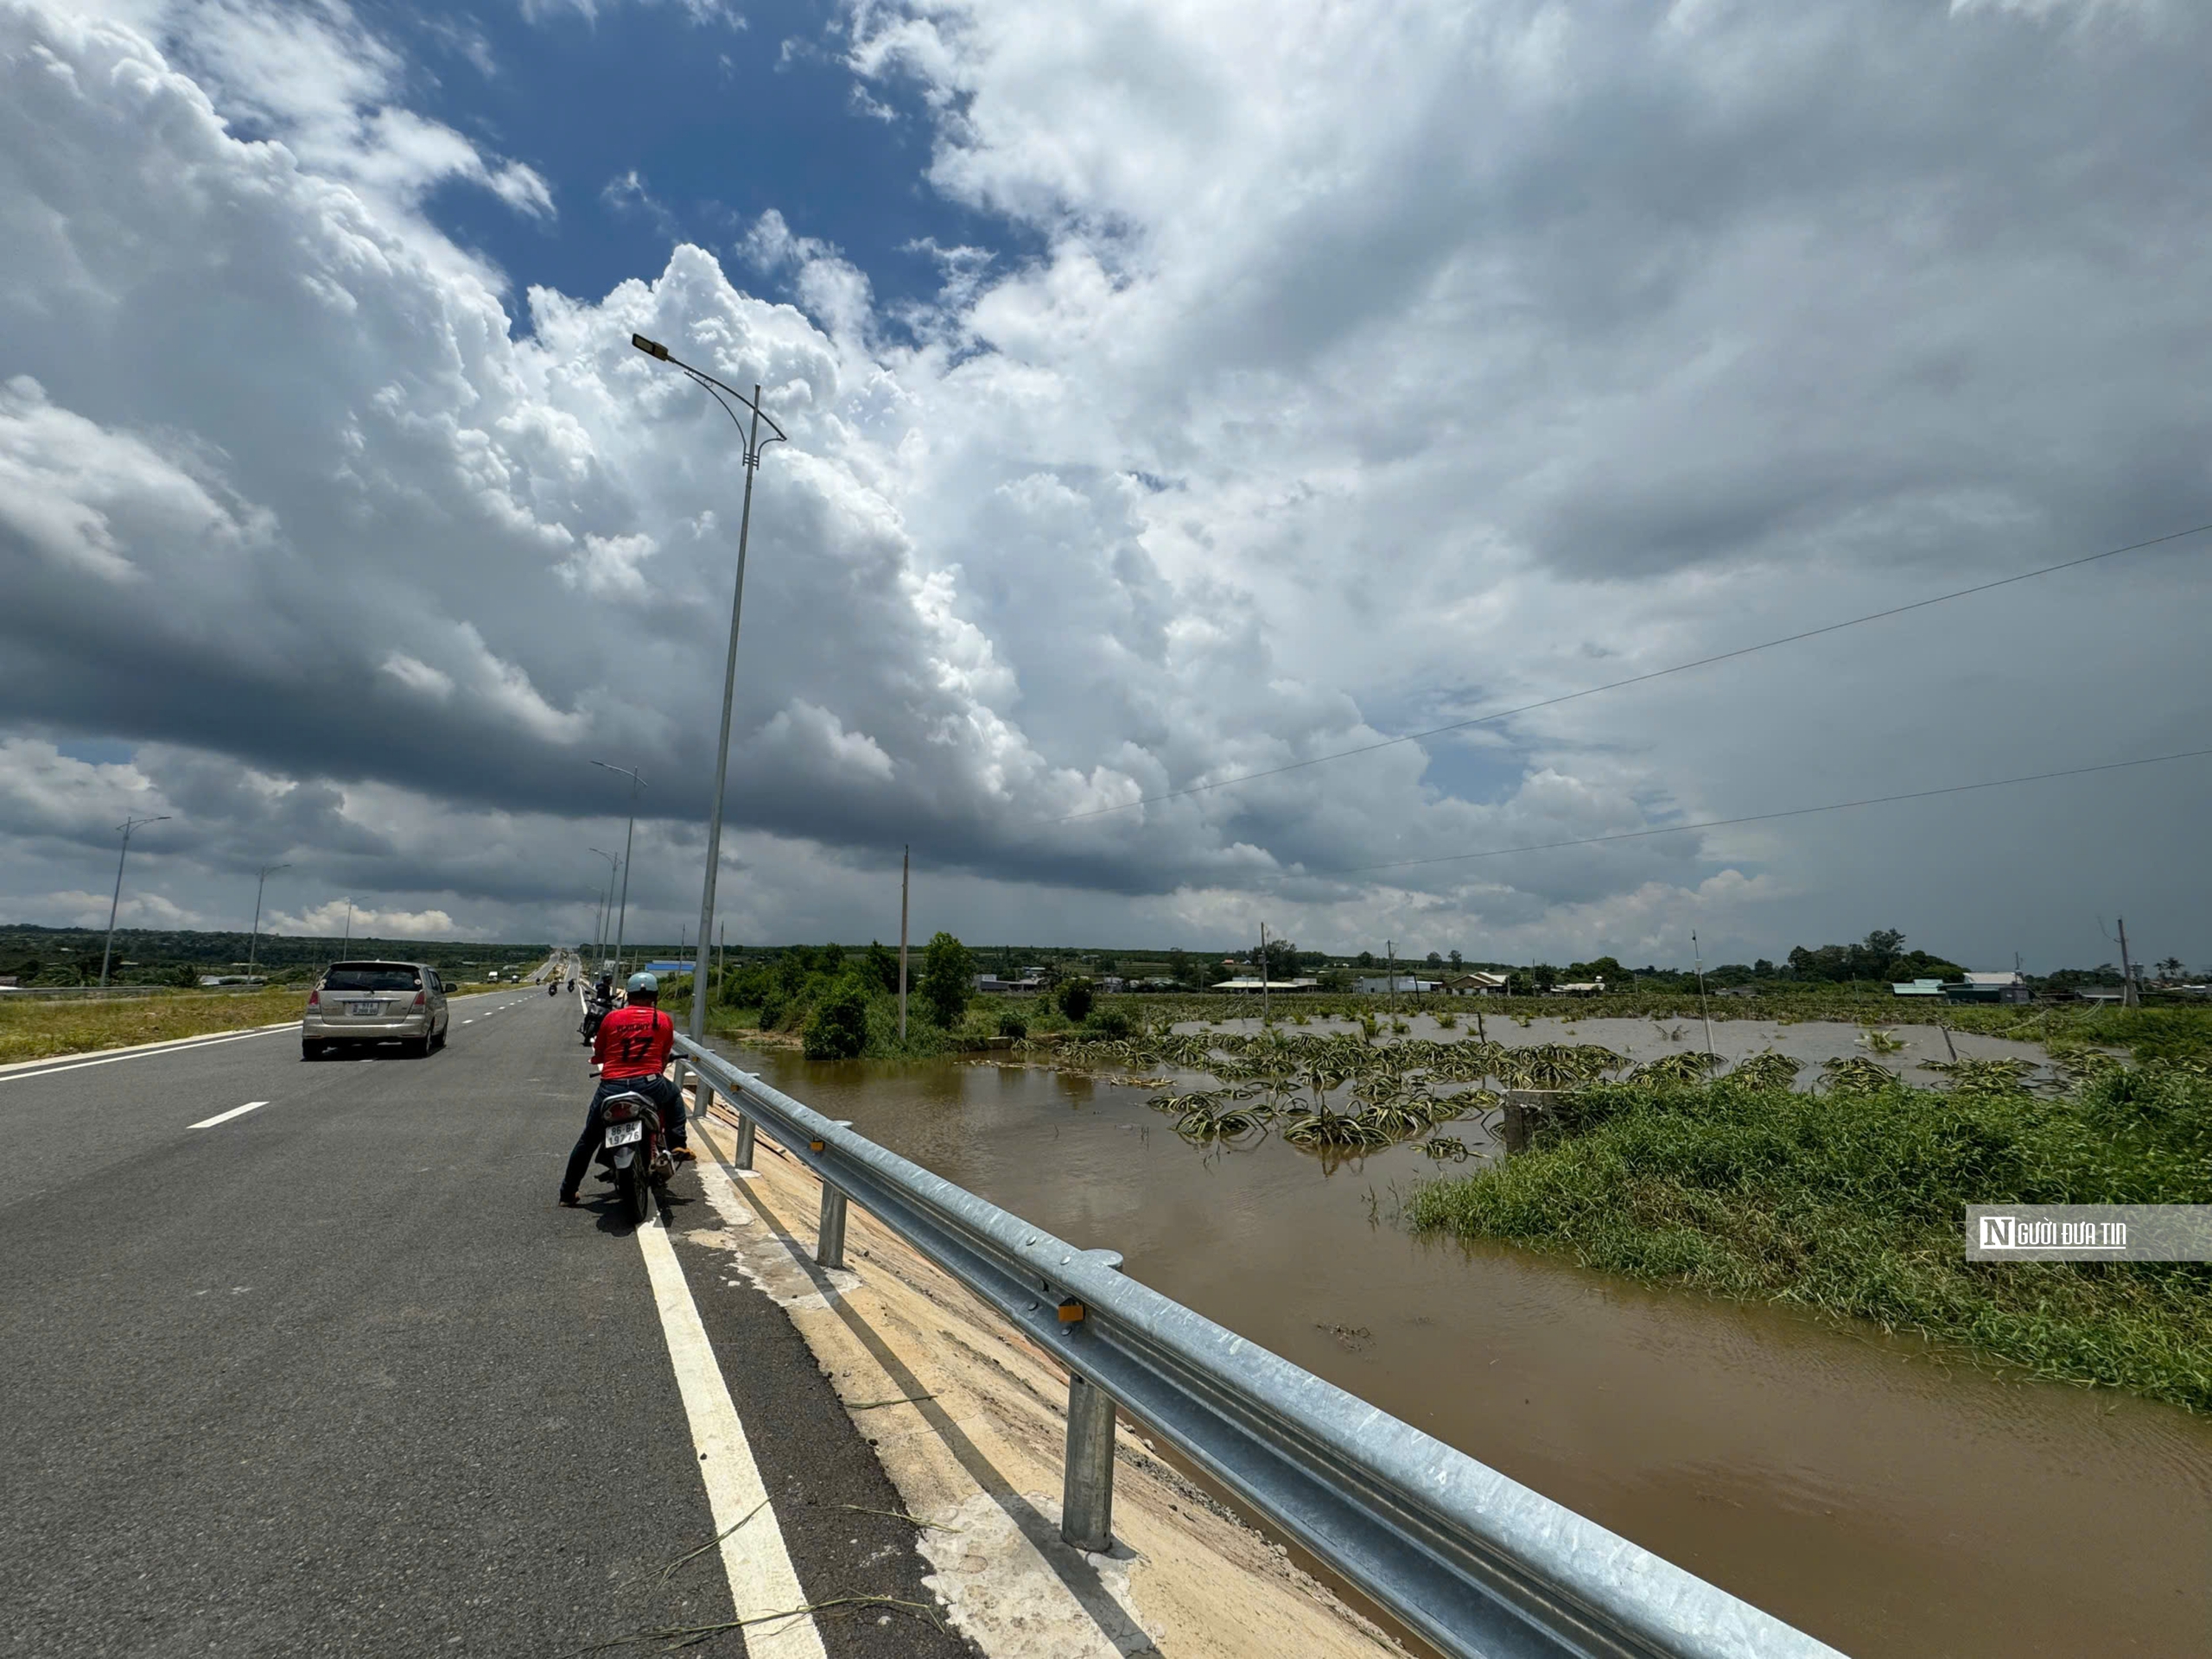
x: 1636, y: 679
x: 1768, y: 817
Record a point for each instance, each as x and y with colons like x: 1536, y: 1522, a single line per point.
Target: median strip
x: 225, y: 1117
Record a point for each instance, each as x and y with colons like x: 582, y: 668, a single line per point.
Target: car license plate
x: 621, y: 1134
x: 372, y: 1010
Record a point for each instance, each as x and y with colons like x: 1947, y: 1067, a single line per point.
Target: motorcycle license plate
x: 621, y: 1134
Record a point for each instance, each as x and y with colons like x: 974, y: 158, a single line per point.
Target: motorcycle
x: 596, y: 1011
x: 552, y: 988
x: 631, y: 1146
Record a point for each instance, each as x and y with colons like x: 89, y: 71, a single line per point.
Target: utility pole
x: 1390, y: 972
x: 346, y: 948
x: 905, y: 870
x: 114, y: 904
x: 1264, y: 973
x: 754, y: 445
x: 1697, y: 956
x: 2128, y: 997
x: 605, y: 908
x: 622, y: 913
x: 254, y: 944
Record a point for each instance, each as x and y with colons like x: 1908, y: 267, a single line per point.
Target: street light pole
x: 622, y: 915
x: 254, y: 944
x: 114, y: 904
x: 750, y: 431
x: 606, y: 906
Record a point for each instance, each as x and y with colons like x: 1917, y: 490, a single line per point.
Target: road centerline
x: 762, y: 1581
x: 225, y: 1117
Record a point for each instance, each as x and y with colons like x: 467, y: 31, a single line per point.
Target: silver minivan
x: 358, y: 1002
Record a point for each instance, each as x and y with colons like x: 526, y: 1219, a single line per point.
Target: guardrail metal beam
x: 1478, y: 1565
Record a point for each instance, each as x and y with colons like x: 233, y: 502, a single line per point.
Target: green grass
x: 37, y: 1027
x: 1852, y: 1203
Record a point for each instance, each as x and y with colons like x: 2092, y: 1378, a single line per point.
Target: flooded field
x: 1644, y: 1040
x: 1890, y: 1503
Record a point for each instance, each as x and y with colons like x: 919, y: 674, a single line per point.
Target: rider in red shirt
x: 635, y: 1041
x: 631, y: 1047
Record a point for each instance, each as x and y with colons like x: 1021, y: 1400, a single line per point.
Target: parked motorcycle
x: 631, y: 1146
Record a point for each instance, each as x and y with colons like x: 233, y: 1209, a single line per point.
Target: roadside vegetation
x: 40, y: 1027
x: 1849, y: 1200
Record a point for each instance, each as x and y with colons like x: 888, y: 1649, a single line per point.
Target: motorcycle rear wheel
x: 635, y: 1187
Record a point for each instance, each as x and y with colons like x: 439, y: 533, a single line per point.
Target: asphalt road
x: 336, y: 1375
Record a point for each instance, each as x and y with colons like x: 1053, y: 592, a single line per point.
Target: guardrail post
x: 1087, y: 1485
x: 744, y: 1158
x: 830, y: 1236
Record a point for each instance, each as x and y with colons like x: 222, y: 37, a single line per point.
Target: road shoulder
x: 967, y: 1422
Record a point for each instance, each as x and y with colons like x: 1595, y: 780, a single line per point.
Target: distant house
x: 1254, y: 984
x: 1475, y: 983
x: 1988, y: 988
x: 1738, y: 990
x: 1917, y: 987
x: 1579, y: 988
x: 1385, y: 985
x: 991, y: 984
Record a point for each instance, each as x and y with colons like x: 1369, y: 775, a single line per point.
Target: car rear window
x: 371, y: 976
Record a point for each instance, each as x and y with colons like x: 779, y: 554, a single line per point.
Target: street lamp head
x: 650, y: 347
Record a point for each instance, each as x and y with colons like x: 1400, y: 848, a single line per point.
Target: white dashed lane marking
x: 225, y: 1117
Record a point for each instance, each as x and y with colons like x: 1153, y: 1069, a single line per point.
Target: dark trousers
x: 661, y: 1091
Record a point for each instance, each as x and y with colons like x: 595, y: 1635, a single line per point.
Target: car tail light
x: 314, y: 997
x: 419, y: 1000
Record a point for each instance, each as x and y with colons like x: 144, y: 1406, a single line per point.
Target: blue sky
x: 718, y: 122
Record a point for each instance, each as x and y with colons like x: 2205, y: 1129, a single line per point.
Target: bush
x: 1108, y: 1022
x: 1075, y: 999
x: 1013, y: 1024
x: 838, y: 1029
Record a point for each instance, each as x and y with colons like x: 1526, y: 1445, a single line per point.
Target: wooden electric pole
x: 905, y: 864
x: 2128, y: 997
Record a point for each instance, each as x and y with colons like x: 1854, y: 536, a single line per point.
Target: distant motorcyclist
x: 631, y: 1047
x: 597, y: 1007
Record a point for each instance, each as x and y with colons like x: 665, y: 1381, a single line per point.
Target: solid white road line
x: 225, y: 1117
x: 41, y: 1069
x: 761, y: 1578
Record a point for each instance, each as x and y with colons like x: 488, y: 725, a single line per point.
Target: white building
x: 1402, y: 984
x: 1254, y: 984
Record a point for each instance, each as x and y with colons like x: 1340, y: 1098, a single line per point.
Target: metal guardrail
x: 1479, y: 1565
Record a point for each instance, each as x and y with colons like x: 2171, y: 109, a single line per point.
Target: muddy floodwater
x: 1890, y: 1503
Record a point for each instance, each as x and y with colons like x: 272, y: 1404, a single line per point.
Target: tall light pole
x: 623, y: 915
x: 254, y: 944
x: 750, y: 432
x: 126, y: 826
x: 599, y: 944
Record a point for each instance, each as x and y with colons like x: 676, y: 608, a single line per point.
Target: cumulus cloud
x: 1371, y: 377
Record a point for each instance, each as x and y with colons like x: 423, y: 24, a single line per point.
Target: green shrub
x: 1075, y: 999
x: 1013, y: 1024
x: 1107, y: 1022
x: 838, y: 1028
